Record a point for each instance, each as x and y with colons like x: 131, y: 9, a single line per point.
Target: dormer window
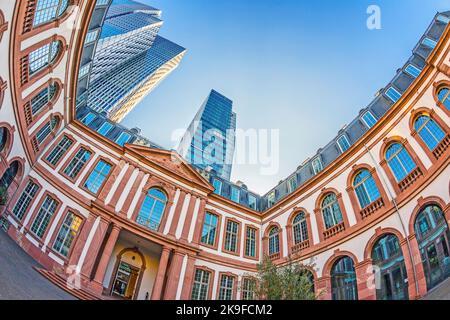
x: 343, y: 143
x: 235, y: 194
x: 412, y: 71
x: 217, y: 184
x: 443, y: 19
x: 252, y: 201
x: 393, y: 94
x: 317, y: 165
x: 369, y: 119
x: 271, y: 199
x: 292, y: 184
x: 430, y: 43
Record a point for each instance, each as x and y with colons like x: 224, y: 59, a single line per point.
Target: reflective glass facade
x: 210, y: 138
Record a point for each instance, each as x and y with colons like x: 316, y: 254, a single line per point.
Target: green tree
x: 3, y: 196
x: 292, y: 281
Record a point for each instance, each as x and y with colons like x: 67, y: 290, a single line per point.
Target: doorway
x: 125, y: 280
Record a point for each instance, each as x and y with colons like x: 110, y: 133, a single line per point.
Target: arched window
x: 444, y: 97
x: 49, y: 10
x: 43, y: 56
x: 274, y: 241
x: 343, y: 280
x: 300, y: 228
x: 9, y: 175
x: 3, y: 138
x: 365, y: 188
x: 332, y: 214
x: 388, y: 257
x: 47, y: 129
x: 433, y: 237
x: 399, y: 161
x: 152, y: 209
x: 39, y: 101
x: 429, y: 131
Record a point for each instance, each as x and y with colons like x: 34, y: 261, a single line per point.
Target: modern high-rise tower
x: 209, y: 140
x: 118, y: 91
x: 130, y: 59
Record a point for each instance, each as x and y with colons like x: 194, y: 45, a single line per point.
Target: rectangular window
x: 235, y: 194
x: 343, y: 143
x: 25, y: 199
x: 91, y: 36
x: 393, y: 94
x: 250, y: 242
x: 271, y: 199
x: 292, y: 184
x: 104, y: 129
x: 43, y: 217
x: 248, y: 289
x: 210, y: 229
x: 317, y: 165
x: 200, y: 287
x: 123, y: 138
x: 217, y: 186
x: 429, y: 43
x: 77, y: 163
x: 369, y: 119
x: 231, y: 236
x: 252, y: 201
x: 44, y: 132
x: 88, y: 118
x: 97, y: 176
x: 413, y: 70
x: 67, y: 233
x: 226, y: 287
x: 59, y: 151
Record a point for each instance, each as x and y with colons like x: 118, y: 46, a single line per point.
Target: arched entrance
x: 433, y: 236
x: 130, y: 266
x: 343, y: 279
x: 392, y: 281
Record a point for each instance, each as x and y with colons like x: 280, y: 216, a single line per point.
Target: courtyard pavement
x: 441, y: 292
x: 18, y: 279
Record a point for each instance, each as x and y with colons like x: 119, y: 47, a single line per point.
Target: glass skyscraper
x: 209, y: 140
x: 130, y: 59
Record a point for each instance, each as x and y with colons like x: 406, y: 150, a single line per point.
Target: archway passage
x: 392, y: 280
x: 343, y: 280
x: 433, y: 236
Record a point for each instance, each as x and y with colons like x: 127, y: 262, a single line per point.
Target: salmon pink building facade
x: 137, y: 222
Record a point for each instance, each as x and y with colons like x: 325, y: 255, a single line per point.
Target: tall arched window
x: 9, y: 175
x: 433, y: 236
x: 274, y: 241
x: 399, y: 161
x: 300, y: 228
x: 49, y: 10
x: 444, y: 97
x: 388, y: 257
x: 39, y: 101
x: 343, y: 280
x: 3, y: 138
x: 429, y: 131
x: 47, y: 129
x: 331, y: 212
x: 365, y: 187
x: 152, y: 209
x: 43, y: 56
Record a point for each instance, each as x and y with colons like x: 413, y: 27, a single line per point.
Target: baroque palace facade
x: 140, y: 223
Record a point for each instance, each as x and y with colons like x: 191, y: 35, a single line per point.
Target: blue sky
x: 304, y: 67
